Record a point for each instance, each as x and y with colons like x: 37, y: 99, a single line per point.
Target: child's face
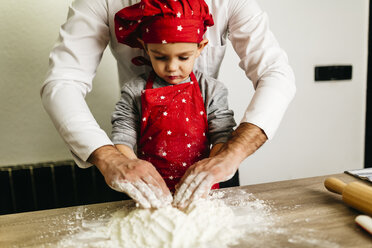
x: 174, y: 62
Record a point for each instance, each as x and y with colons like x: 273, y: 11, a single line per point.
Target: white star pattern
x: 185, y: 134
x: 164, y: 154
x: 147, y: 30
x: 191, y: 82
x: 184, y: 164
x: 150, y: 138
x: 187, y: 119
x: 165, y: 113
x: 162, y: 97
x: 188, y: 145
x: 184, y: 100
x: 165, y: 6
x: 192, y: 12
x: 139, y: 21
x: 120, y: 28
x: 201, y: 112
x: 203, y: 134
x: 169, y: 132
x: 179, y: 28
x: 198, y: 31
x: 171, y: 177
x: 144, y: 119
x: 179, y: 14
x: 164, y: 41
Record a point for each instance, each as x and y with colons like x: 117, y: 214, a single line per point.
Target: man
x: 73, y: 62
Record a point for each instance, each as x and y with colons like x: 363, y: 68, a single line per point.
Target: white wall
x: 28, y: 31
x: 322, y: 132
x: 323, y: 129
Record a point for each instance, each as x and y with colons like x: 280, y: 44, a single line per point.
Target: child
x: 172, y: 115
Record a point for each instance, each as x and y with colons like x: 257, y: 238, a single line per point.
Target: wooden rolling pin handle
x: 354, y: 194
x: 334, y: 185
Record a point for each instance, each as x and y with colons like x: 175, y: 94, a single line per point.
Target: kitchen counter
x: 305, y: 214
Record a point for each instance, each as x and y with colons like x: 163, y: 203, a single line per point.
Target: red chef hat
x: 162, y: 21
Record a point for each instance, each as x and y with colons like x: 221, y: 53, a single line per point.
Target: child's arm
x: 126, y: 151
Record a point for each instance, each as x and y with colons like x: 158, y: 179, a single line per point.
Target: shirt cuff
x: 82, y: 164
x: 86, y: 150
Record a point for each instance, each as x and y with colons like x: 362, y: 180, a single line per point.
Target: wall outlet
x: 333, y: 73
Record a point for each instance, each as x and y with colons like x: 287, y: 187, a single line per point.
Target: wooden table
x: 309, y: 216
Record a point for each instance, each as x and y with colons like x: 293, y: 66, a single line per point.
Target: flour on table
x: 233, y: 217
x: 226, y: 219
x: 204, y: 224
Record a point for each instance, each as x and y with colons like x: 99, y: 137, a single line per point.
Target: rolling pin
x: 355, y: 194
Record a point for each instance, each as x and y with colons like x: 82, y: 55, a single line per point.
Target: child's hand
x: 137, y: 178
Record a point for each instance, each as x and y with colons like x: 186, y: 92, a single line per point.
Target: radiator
x: 40, y: 186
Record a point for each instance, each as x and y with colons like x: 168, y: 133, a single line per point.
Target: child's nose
x: 172, y: 66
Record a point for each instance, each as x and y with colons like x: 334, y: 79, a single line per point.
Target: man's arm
x: 244, y: 141
x: 265, y: 63
x: 200, y: 177
x: 72, y: 66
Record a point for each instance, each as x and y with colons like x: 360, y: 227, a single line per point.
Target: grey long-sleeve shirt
x: 127, y: 115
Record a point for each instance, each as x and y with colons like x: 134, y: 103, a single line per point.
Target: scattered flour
x: 221, y: 221
x: 230, y: 218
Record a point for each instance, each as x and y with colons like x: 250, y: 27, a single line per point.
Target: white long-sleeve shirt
x: 90, y: 27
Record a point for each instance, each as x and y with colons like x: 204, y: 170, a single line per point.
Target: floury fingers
x: 132, y: 191
x: 147, y: 196
x: 193, y: 188
x: 166, y: 200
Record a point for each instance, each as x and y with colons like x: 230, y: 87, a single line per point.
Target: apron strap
x: 150, y: 80
x: 193, y: 78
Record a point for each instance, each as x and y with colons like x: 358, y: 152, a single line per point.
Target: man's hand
x: 200, y: 177
x: 137, y: 178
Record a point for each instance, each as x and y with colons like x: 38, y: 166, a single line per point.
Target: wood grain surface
x: 307, y: 216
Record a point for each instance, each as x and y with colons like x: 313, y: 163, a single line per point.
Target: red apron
x: 173, y: 128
